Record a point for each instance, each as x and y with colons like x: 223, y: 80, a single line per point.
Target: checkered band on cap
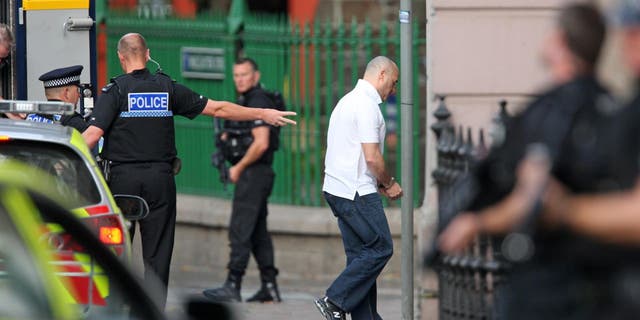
x: 61, y: 81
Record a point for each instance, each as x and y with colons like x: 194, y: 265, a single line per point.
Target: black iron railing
x: 469, y: 284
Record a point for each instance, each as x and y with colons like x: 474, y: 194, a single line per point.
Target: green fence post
x: 340, y: 51
x: 306, y: 134
x: 317, y: 107
x: 295, y: 75
x: 368, y: 42
x: 328, y: 59
x: 237, y: 14
x: 354, y: 49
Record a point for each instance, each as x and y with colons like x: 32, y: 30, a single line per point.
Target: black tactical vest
x: 144, y: 129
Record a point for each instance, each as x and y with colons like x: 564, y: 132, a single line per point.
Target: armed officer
x: 62, y: 84
x: 135, y: 114
x: 254, y: 177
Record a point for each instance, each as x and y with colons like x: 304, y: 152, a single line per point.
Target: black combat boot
x: 269, y: 290
x: 268, y: 293
x: 229, y: 292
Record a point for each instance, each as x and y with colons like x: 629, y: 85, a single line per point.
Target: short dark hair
x: 250, y: 61
x: 132, y: 44
x: 584, y: 28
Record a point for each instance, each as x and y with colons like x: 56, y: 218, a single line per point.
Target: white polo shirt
x: 356, y: 119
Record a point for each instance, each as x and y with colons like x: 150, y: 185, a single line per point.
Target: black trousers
x: 248, y: 227
x: 155, y: 183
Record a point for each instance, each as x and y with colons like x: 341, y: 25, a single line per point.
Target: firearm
x: 217, y: 158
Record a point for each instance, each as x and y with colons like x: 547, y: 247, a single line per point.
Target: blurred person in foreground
x: 613, y: 218
x: 135, y: 114
x: 565, y: 275
x: 355, y: 179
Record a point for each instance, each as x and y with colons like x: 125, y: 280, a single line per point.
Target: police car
x: 35, y: 227
x: 62, y: 153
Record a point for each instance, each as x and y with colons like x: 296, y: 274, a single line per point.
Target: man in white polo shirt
x: 355, y: 177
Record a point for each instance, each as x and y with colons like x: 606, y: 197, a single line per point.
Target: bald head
x: 382, y: 74
x: 133, y: 46
x: 378, y: 64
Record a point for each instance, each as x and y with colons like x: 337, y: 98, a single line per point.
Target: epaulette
x: 108, y: 87
x: 166, y: 75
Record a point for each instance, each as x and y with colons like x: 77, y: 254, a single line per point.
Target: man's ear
x: 65, y: 92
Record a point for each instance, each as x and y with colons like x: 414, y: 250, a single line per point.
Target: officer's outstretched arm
x: 231, y: 111
x: 92, y: 135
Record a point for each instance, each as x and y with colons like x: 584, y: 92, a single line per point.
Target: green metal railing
x: 312, y: 65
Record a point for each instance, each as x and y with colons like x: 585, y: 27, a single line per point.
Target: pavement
x: 297, y: 298
x: 305, y: 274
x: 297, y: 303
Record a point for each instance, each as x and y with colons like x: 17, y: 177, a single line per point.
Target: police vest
x: 144, y: 129
x: 238, y: 133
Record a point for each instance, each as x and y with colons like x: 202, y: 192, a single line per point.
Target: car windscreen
x: 67, y: 167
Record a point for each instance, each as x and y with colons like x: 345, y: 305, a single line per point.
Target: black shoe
x: 267, y: 293
x: 329, y: 310
x: 227, y: 293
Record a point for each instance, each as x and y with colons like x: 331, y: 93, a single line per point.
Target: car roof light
x: 43, y: 107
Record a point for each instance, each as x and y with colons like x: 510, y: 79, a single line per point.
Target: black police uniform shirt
x: 577, y: 122
x: 136, y: 113
x: 75, y: 121
x: 255, y: 97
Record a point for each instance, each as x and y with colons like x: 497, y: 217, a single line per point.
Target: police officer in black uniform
x: 576, y: 121
x: 613, y: 219
x: 135, y: 115
x: 254, y: 177
x: 62, y: 84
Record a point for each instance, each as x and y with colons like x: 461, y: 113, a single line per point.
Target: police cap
x: 627, y: 13
x: 61, y: 77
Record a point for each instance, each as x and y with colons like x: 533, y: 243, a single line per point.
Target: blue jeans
x: 368, y: 246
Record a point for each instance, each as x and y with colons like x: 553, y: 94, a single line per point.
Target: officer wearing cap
x: 62, y: 85
x: 135, y: 114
